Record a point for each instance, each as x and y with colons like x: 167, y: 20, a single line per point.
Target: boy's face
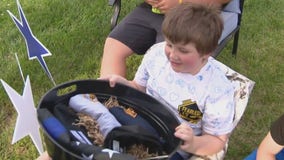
x: 184, y: 58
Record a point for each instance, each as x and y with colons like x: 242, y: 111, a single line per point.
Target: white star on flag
x: 27, y: 123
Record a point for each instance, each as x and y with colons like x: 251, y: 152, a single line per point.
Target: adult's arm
x: 268, y: 148
x: 165, y: 5
x: 273, y: 142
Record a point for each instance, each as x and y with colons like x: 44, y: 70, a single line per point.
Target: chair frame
x: 234, y: 34
x: 116, y: 4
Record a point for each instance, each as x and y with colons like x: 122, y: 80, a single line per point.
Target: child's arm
x: 205, y: 144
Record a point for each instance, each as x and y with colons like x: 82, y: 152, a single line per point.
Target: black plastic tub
x: 162, y: 119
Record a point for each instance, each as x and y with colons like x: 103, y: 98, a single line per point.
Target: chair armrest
x: 116, y: 4
x: 111, y: 2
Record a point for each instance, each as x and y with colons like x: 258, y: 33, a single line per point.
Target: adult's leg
x: 135, y: 33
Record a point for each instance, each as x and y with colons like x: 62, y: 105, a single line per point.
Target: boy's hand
x: 113, y: 79
x: 185, y: 133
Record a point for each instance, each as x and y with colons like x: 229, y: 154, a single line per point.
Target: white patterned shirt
x: 205, y: 100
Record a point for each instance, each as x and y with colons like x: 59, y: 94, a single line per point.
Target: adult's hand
x: 152, y: 2
x: 165, y: 5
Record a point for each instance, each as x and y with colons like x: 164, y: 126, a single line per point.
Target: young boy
x: 181, y: 73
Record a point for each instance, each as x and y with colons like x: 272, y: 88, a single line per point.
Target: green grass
x: 74, y: 32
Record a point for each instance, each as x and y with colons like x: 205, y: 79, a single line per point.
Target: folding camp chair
x: 231, y: 13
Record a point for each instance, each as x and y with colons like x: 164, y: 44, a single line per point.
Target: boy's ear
x: 206, y: 56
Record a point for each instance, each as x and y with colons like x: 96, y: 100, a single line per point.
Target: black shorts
x: 140, y: 29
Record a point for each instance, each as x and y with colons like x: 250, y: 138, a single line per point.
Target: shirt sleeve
x: 277, y: 130
x: 151, y: 64
x: 142, y: 75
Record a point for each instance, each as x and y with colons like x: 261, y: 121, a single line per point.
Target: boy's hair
x: 200, y: 25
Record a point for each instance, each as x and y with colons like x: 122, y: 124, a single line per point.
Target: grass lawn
x: 74, y: 32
